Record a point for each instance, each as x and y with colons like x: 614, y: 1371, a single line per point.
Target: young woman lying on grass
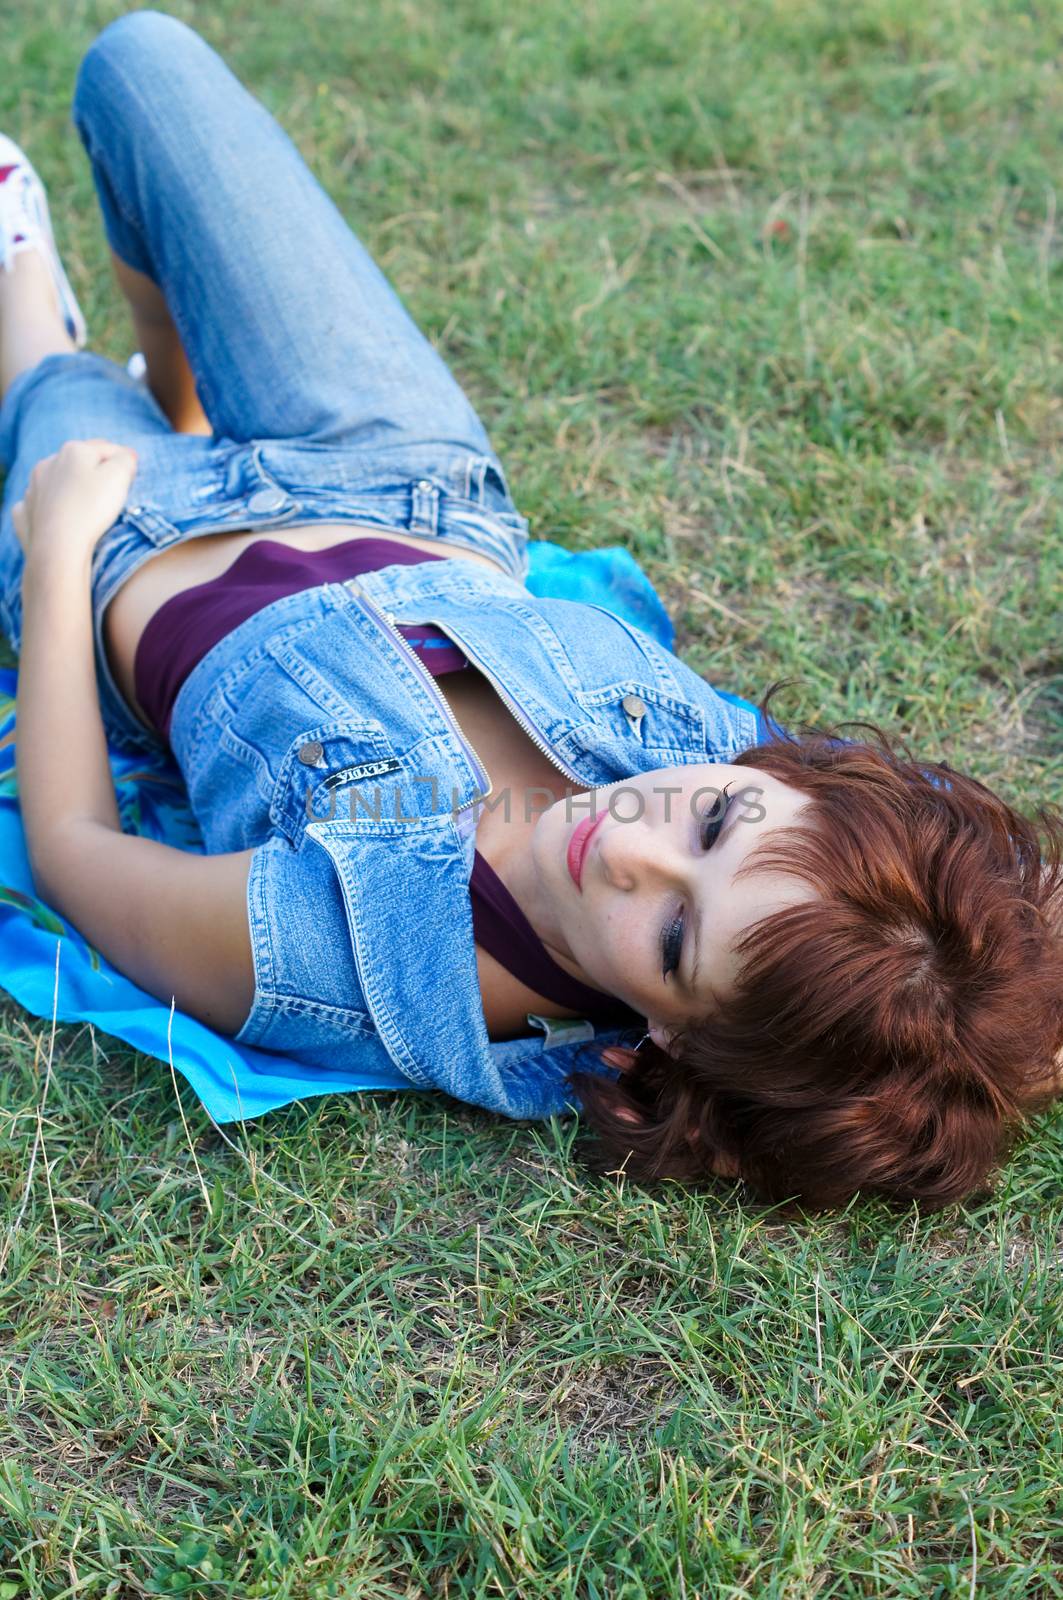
x: 295, y: 561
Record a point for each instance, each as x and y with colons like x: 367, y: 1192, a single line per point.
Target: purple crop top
x: 185, y: 627
x: 182, y: 630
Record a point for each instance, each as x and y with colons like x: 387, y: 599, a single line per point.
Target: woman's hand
x: 73, y: 497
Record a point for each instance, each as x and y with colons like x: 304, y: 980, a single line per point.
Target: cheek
x: 618, y: 947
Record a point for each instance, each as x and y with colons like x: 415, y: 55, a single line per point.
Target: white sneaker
x: 26, y: 225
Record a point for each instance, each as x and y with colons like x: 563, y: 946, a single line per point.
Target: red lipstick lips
x: 578, y: 844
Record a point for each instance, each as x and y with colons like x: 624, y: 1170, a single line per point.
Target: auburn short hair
x: 890, y: 1036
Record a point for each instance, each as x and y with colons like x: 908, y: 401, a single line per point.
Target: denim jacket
x: 358, y: 901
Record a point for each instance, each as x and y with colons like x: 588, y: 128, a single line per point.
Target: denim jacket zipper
x: 533, y: 733
x: 357, y: 592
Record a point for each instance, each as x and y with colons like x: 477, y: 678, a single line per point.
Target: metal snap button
x: 267, y: 500
x: 312, y: 754
x: 634, y: 708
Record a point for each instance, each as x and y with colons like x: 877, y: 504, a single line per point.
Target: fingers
x: 620, y: 1058
x: 87, y: 450
x: 96, y: 450
x: 122, y: 466
x: 86, y: 480
x: 85, y: 453
x: 107, y: 450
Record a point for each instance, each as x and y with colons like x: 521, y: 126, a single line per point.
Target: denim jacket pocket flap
x: 635, y: 715
x: 343, y: 767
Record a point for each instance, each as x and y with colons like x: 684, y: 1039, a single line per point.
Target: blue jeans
x: 325, y: 400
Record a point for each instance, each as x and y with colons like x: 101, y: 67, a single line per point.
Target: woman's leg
x: 290, y: 329
x: 31, y: 322
x: 32, y: 327
x: 50, y: 391
x: 170, y: 377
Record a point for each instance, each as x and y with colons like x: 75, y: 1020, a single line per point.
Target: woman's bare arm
x: 173, y: 921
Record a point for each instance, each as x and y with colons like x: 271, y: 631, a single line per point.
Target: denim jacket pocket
x: 340, y: 768
x: 635, y: 715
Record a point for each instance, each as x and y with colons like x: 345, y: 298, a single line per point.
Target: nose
x: 634, y: 855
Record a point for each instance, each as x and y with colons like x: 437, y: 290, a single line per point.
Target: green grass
x: 770, y: 294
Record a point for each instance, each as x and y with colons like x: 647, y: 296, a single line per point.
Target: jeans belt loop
x: 424, y: 507
x: 479, y: 465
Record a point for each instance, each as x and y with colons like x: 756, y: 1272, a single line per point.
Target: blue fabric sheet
x: 234, y: 1079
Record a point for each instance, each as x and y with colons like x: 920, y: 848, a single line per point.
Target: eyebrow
x: 728, y: 825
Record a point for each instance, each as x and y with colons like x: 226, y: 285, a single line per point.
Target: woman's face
x: 634, y: 883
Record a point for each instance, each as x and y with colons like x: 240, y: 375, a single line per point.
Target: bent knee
x: 142, y: 31
x: 136, y: 42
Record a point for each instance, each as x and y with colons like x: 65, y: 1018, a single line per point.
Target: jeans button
x: 312, y: 753
x: 267, y: 500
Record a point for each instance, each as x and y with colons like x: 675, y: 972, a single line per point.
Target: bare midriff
x: 198, y: 560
